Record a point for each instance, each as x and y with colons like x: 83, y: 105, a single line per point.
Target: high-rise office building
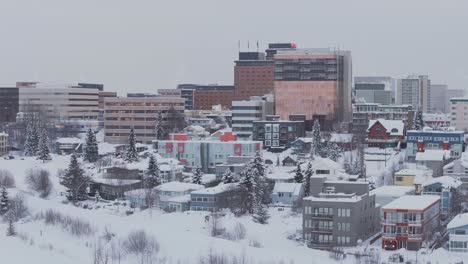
x: 438, y: 98
x: 246, y: 111
x: 204, y: 97
x: 253, y: 75
x: 9, y: 104
x: 315, y: 83
x: 139, y: 113
x: 416, y: 91
x: 373, y: 93
x: 453, y: 93
x: 60, y: 102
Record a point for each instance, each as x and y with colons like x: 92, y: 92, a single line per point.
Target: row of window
x: 201, y: 208
x: 203, y: 199
x: 452, y: 139
x: 268, y: 143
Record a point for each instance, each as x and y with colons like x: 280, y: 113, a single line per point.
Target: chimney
x: 420, y: 146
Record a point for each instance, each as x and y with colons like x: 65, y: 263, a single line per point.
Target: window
x: 276, y: 128
x: 267, y: 136
x: 399, y: 178
x: 275, y: 143
x: 378, y: 130
x: 267, y: 143
x: 322, y: 172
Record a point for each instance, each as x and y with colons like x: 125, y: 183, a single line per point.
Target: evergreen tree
x: 299, y: 177
x: 44, y: 153
x: 74, y: 178
x: 278, y: 161
x: 159, y: 130
x: 418, y: 122
x: 131, y: 154
x: 197, y: 176
x: 32, y: 139
x: 316, y: 139
x: 4, y: 201
x: 228, y: 176
x: 258, y: 171
x: 308, y: 174
x: 91, y: 151
x: 261, y: 214
x: 334, y: 151
x: 152, y: 173
x: 247, y: 186
x: 11, y: 227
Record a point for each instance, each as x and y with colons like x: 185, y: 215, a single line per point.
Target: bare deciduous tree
x: 39, y: 181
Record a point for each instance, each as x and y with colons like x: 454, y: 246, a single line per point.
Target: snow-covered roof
x: 341, y: 138
x: 106, y: 148
x: 179, y: 199
x: 433, y: 155
x: 320, y: 162
x: 394, y: 127
x: 412, y: 202
x: 117, y: 182
x: 334, y: 197
x: 222, y: 187
x: 176, y: 186
x: 458, y: 221
x: 279, y: 176
x: 306, y: 139
x: 69, y: 140
x: 137, y: 192
x: 3, y: 134
x: 446, y: 181
x: 392, y: 191
x: 463, y: 160
x: 288, y: 187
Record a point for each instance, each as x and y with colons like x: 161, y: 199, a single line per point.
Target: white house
x: 286, y: 193
x: 328, y: 168
x: 167, y: 193
x: 458, y: 233
x: 458, y: 169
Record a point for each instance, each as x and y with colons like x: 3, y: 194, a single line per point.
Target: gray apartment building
x: 277, y: 134
x: 339, y: 213
x: 415, y: 90
x: 364, y: 112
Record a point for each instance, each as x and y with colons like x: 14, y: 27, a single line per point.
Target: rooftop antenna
x: 257, y: 45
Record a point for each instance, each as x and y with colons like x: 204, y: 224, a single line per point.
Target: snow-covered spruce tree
x: 91, y: 151
x: 316, y: 139
x: 197, y: 176
x: 247, y: 187
x: 131, y: 154
x: 278, y: 161
x: 11, y: 227
x: 261, y: 214
x: 334, y: 151
x: 299, y: 176
x: 158, y: 128
x: 228, y: 176
x: 152, y: 173
x: 4, y: 201
x: 418, y: 122
x: 74, y: 178
x: 31, y: 145
x: 308, y: 174
x: 44, y: 153
x: 258, y: 171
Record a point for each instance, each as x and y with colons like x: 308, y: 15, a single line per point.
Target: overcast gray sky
x: 144, y: 45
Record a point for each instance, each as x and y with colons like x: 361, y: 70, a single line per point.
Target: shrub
x: 39, y: 181
x: 75, y: 226
x: 140, y: 243
x: 7, y: 179
x: 18, y: 209
x: 238, y: 232
x: 255, y: 243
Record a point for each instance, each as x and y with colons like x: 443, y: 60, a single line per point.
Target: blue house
x: 286, y: 193
x: 137, y: 198
x: 458, y: 233
x: 215, y: 198
x: 448, y: 190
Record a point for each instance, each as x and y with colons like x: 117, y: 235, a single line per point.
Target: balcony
x: 321, y: 216
x: 320, y: 244
x: 321, y: 230
x: 409, y: 236
x: 395, y: 221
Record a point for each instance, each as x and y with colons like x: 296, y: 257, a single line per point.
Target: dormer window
x: 394, y: 130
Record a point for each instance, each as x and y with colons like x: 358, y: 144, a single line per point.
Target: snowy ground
x: 183, y: 237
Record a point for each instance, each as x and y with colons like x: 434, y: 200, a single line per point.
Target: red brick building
x: 204, y: 97
x: 253, y: 75
x: 383, y: 133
